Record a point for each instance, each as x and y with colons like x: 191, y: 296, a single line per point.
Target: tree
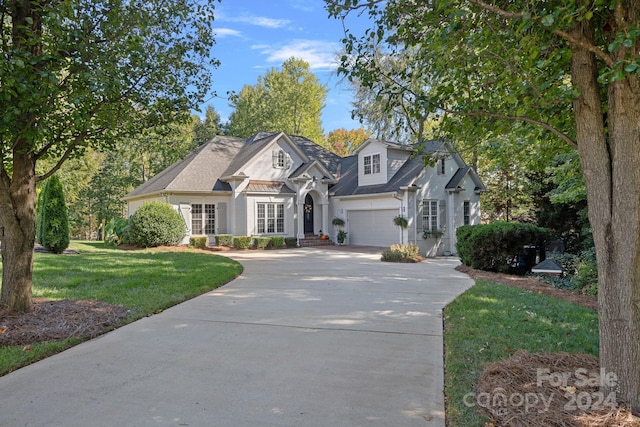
x: 55, y: 224
x: 343, y: 142
x: 288, y: 100
x: 569, y: 67
x: 83, y: 73
x: 203, y: 131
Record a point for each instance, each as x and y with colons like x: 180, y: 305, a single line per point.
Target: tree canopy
x: 288, y: 100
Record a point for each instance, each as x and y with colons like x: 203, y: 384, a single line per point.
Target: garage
x: 373, y: 227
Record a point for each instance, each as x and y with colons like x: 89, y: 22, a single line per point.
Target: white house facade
x: 279, y: 184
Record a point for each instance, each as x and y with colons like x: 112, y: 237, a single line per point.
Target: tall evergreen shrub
x: 54, y: 220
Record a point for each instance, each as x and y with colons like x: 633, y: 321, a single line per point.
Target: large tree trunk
x: 17, y: 215
x: 610, y: 166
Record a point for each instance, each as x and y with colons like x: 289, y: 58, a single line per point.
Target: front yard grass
x: 490, y: 322
x: 144, y: 281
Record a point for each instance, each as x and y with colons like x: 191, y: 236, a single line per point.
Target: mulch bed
x: 58, y: 320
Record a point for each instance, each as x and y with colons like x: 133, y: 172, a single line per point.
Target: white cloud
x: 224, y: 32
x: 319, y: 54
x: 260, y: 21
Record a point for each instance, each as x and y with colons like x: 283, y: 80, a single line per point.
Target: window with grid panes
x: 430, y: 215
x: 196, y: 219
x: 270, y: 218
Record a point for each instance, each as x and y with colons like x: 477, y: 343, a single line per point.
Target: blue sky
x: 254, y: 36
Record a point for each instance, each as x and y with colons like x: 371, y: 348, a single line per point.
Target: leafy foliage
x: 116, y: 232
x: 156, y: 224
x: 288, y: 100
x: 343, y: 142
x: 497, y: 246
x: 55, y: 225
x: 242, y: 242
x: 291, y: 242
x: 200, y: 242
x: 262, y: 242
x: 277, y: 241
x: 224, y: 239
x: 400, y: 252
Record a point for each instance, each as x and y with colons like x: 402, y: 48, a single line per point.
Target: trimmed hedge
x: 277, y: 241
x: 200, y: 242
x: 156, y: 224
x: 497, y: 246
x: 224, y: 240
x: 291, y: 242
x: 262, y: 242
x: 242, y: 242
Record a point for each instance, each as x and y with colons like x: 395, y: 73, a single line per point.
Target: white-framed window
x: 440, y: 166
x: 270, y: 218
x: 280, y: 160
x: 371, y: 164
x: 203, y: 218
x: 430, y: 220
x: 466, y: 212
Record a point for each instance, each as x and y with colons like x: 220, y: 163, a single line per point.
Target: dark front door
x: 308, y: 214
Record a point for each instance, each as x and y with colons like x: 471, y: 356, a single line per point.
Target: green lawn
x: 145, y: 281
x: 490, y: 322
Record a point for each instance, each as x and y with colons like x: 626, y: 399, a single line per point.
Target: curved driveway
x: 308, y: 337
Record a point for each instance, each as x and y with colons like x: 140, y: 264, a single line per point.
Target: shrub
x: 156, y: 224
x: 242, y: 242
x: 200, y: 242
x: 116, y: 232
x: 291, y: 242
x: 277, y: 241
x: 586, y: 272
x: 55, y: 223
x: 497, y: 246
x: 401, y: 252
x: 262, y: 242
x: 224, y: 240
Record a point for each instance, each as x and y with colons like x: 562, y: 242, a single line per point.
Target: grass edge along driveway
x: 144, y: 281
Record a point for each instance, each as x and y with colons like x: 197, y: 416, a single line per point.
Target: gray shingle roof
x: 199, y: 171
x: 456, y: 179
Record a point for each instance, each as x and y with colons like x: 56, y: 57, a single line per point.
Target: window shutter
x: 222, y: 218
x: 274, y: 159
x: 185, y: 212
x: 442, y: 213
x: 419, y: 208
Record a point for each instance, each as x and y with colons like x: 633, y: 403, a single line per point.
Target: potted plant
x: 338, y: 222
x: 401, y: 221
x: 435, y: 233
x: 342, y: 235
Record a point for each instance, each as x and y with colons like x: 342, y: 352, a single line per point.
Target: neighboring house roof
x: 199, y: 171
x: 547, y: 266
x: 277, y: 187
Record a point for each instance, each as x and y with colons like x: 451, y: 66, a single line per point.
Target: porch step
x: 314, y: 240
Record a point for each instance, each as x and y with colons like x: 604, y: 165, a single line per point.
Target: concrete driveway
x: 306, y: 337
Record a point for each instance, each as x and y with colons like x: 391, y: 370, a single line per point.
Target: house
x: 280, y: 184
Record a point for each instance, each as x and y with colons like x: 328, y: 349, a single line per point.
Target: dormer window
x: 372, y: 164
x: 280, y: 160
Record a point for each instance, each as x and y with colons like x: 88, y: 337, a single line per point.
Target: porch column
x: 324, y: 205
x: 300, y: 217
x: 451, y: 223
x: 232, y: 209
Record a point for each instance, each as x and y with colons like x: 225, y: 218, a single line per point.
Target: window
x: 280, y: 160
x: 203, y: 217
x: 441, y: 166
x: 270, y: 218
x: 372, y: 164
x: 196, y: 219
x: 430, y: 215
x: 466, y: 208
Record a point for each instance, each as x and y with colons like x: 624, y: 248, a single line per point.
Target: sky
x: 254, y: 36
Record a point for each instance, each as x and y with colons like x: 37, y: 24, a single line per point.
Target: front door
x: 308, y: 215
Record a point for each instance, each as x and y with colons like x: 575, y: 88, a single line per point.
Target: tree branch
x: 563, y: 136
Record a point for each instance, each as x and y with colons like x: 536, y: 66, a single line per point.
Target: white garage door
x: 373, y: 228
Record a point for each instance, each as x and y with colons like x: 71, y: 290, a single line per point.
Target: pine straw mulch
x: 514, y: 393
x: 58, y: 320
